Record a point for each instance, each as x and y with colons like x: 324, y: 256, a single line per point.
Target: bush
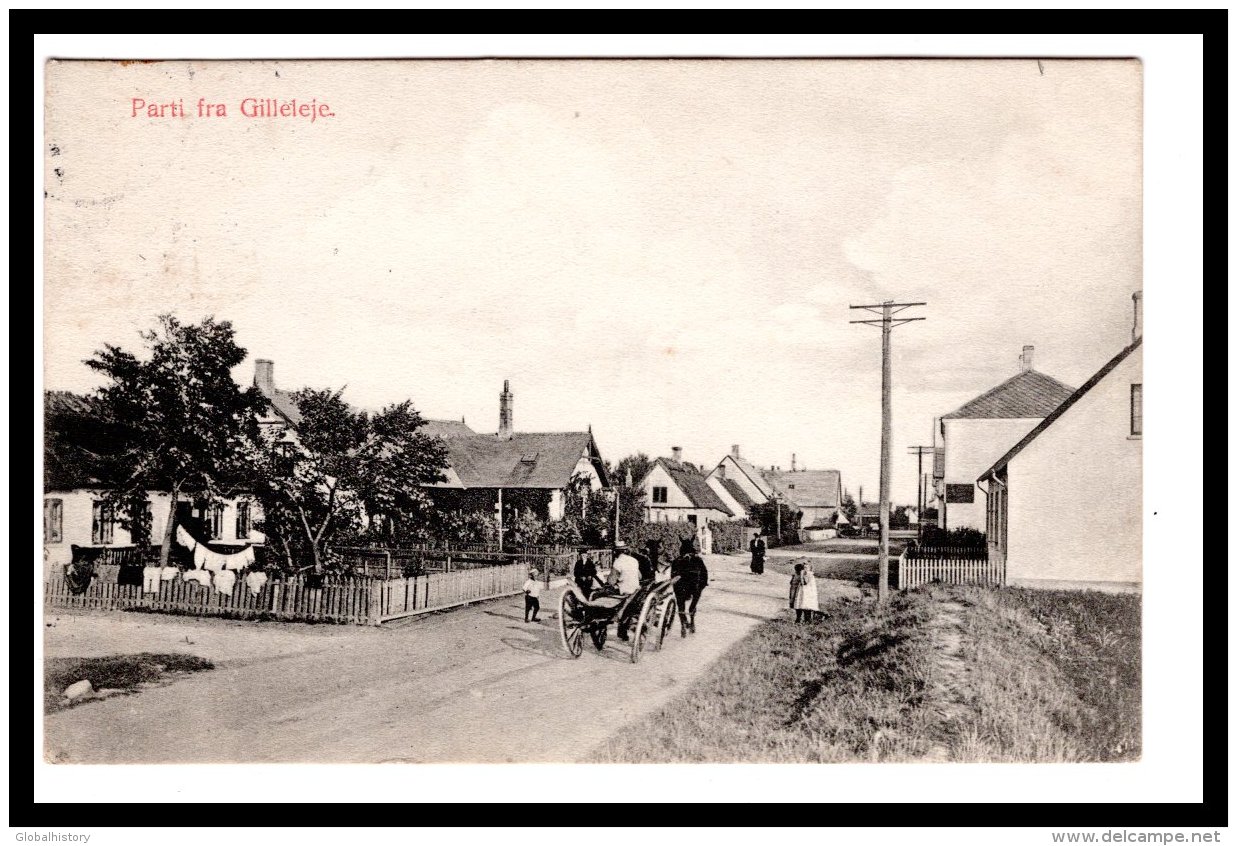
x: 965, y: 538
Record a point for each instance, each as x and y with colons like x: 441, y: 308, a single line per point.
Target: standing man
x: 585, y: 573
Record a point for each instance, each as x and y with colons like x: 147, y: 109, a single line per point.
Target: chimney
x: 264, y: 375
x: 677, y: 452
x: 792, y: 462
x: 1027, y: 357
x: 734, y: 450
x: 1137, y: 332
x: 506, y: 422
x: 721, y: 471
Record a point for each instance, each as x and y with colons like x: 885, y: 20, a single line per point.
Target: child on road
x: 532, y: 596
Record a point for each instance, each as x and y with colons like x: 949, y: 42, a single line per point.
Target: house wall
x: 816, y: 514
x: 1086, y: 463
x: 729, y: 501
x: 78, y: 515
x: 971, y: 447
x: 733, y: 471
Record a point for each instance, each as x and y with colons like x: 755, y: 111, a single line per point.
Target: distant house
x: 817, y: 493
x: 75, y: 507
x: 528, y: 469
x: 1089, y: 450
x: 980, y: 431
x: 532, y: 470
x: 676, y: 492
x: 745, y: 476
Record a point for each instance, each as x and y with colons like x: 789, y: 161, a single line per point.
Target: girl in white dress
x: 806, y: 600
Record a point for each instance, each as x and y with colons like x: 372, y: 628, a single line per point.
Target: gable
x: 1029, y: 394
x: 1064, y: 407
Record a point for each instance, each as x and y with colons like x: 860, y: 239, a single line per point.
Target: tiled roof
x: 736, y: 491
x: 694, y: 486
x: 752, y: 473
x: 1061, y: 409
x: 526, y: 460
x: 447, y: 429
x: 812, y: 488
x: 283, y: 404
x: 1029, y: 394
x: 63, y: 430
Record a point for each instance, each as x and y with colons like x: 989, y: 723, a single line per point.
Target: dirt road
x: 476, y: 684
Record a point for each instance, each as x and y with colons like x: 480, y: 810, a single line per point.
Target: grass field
x: 941, y: 674
x: 112, y: 674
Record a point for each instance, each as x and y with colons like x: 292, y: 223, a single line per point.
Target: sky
x: 664, y: 250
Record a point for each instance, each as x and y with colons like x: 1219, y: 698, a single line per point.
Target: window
x: 1136, y: 410
x: 792, y: 487
x: 242, y: 520
x: 53, y: 521
x: 659, y: 494
x: 214, y: 521
x: 102, y: 523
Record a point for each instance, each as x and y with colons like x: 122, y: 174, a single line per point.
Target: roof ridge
x: 1078, y: 394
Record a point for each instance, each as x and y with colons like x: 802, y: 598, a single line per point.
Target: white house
x: 76, y: 513
x: 816, y: 493
x: 1087, y: 451
x: 979, y: 432
x: 746, y: 477
x: 673, y: 491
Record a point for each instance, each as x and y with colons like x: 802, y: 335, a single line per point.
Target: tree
x: 849, y: 508
x: 343, y: 469
x: 631, y: 499
x: 174, y: 420
x: 765, y: 515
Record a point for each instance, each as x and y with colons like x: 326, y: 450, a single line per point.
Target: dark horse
x: 693, y: 579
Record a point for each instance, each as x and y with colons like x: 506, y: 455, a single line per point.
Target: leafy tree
x: 638, y: 465
x: 765, y: 515
x: 171, y: 420
x: 849, y: 508
x: 343, y: 469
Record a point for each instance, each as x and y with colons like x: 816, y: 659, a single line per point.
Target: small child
x: 796, y: 584
x: 532, y: 594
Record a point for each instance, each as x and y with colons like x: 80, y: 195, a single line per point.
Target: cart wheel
x: 598, y: 634
x: 571, y: 623
x: 642, y: 625
x: 667, y: 619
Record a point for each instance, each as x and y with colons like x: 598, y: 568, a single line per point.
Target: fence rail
x: 339, y: 599
x: 975, y: 569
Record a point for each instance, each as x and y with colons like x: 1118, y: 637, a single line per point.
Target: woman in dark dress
x: 758, y: 548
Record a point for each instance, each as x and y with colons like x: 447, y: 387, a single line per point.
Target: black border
x: 1211, y: 812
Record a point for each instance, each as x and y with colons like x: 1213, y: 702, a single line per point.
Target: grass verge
x: 112, y: 673
x: 942, y: 673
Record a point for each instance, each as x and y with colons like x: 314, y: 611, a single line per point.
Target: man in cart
x: 626, y: 579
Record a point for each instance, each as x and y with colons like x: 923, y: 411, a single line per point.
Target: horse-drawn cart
x: 579, y: 615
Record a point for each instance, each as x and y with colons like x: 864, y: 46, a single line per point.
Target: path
x: 475, y: 684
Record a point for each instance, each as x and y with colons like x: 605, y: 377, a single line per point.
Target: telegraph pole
x: 887, y: 322
x: 921, y: 451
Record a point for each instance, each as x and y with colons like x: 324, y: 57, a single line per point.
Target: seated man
x: 625, y: 577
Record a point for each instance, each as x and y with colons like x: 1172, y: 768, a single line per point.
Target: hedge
x: 730, y: 536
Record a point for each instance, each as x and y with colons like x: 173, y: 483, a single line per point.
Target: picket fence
x: 953, y: 567
x: 341, y: 600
